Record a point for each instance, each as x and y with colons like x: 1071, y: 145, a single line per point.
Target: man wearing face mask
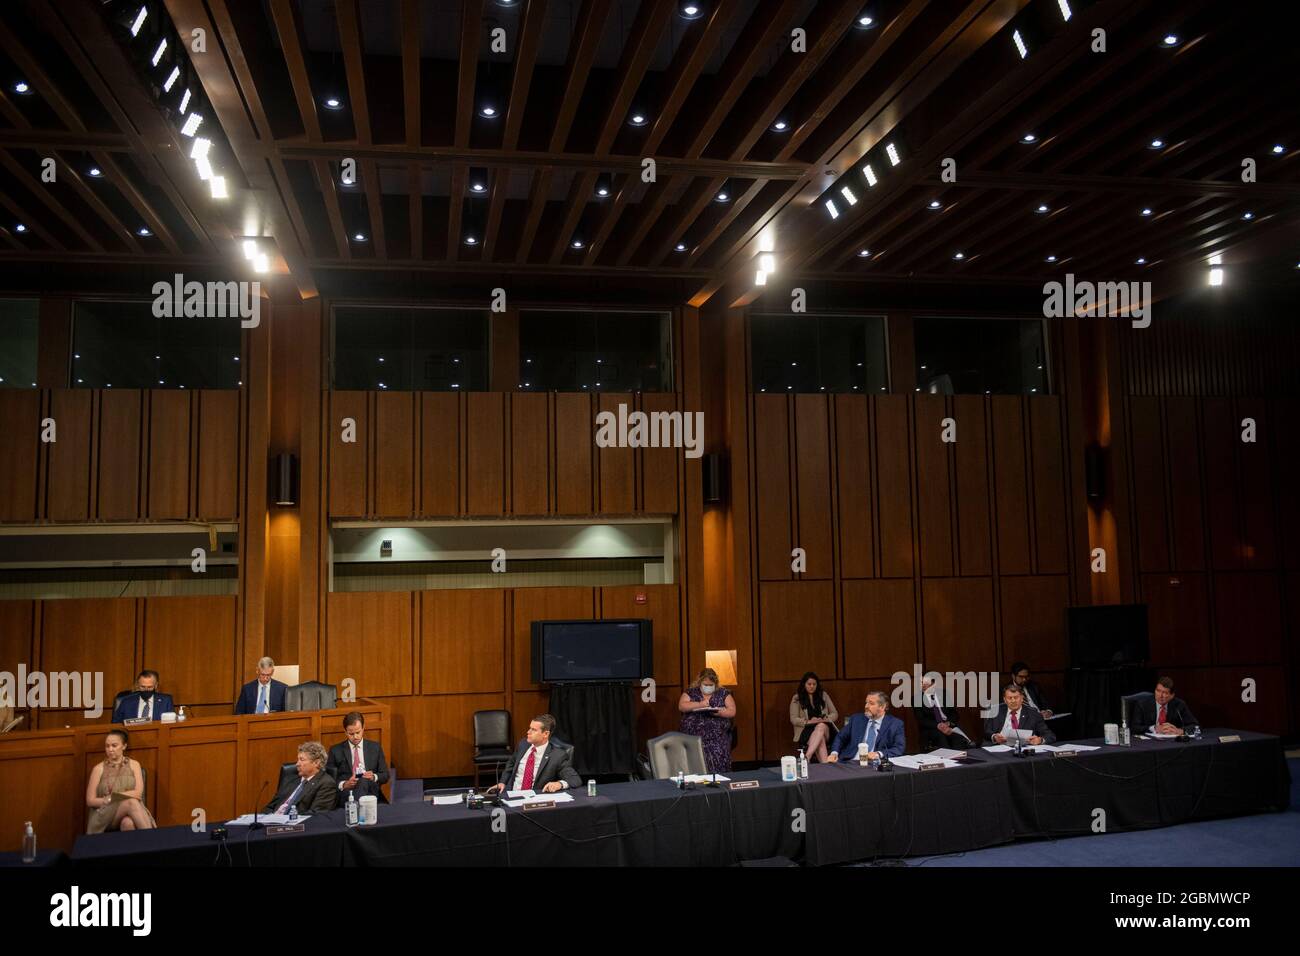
x: 147, y: 703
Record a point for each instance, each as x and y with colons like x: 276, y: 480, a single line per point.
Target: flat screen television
x: 578, y: 651
x: 1106, y: 635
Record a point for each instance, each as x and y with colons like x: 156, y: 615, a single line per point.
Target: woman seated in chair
x: 115, y: 793
x: 707, y: 710
x: 813, y: 714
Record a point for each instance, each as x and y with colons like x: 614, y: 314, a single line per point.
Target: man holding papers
x: 1014, y: 718
x: 882, y: 733
x: 540, y: 764
x: 939, y: 723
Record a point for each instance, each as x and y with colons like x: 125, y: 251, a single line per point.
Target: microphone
x: 255, y: 825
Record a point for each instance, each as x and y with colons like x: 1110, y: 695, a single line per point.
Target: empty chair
x: 1133, y: 702
x: 492, y: 744
x: 676, y: 751
x: 311, y: 695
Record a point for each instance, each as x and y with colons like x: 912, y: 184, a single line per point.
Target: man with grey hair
x: 313, y: 791
x: 881, y: 733
x: 263, y: 695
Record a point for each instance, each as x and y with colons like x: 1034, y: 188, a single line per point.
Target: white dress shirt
x: 1006, y: 724
x: 357, y: 753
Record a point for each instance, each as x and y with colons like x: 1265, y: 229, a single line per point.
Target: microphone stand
x: 255, y: 825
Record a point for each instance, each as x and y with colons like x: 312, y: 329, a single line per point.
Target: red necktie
x: 528, y: 769
x: 356, y: 759
x: 1162, y: 716
x: 1015, y: 721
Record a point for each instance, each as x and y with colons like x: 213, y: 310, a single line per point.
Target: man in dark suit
x: 1164, y: 713
x: 357, y: 764
x: 882, y: 733
x: 1014, y: 714
x: 313, y: 790
x: 1032, y: 692
x: 540, y: 764
x: 937, y: 720
x: 264, y: 695
x: 147, y: 702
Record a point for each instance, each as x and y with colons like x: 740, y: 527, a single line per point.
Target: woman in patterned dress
x: 115, y: 793
x: 707, y: 711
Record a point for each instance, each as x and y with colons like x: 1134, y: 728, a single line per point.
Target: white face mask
x: 707, y: 689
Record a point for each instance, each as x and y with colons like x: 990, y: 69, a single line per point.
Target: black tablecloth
x: 843, y: 812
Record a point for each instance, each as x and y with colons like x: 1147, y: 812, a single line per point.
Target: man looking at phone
x: 356, y: 763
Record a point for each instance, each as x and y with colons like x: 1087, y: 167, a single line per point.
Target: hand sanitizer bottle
x: 29, y: 843
x: 803, y: 765
x: 352, y: 808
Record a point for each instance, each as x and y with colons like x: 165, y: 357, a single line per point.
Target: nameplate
x: 1230, y: 739
x: 539, y: 805
x: 930, y: 766
x: 279, y: 828
x: 132, y: 721
x: 1065, y: 753
x: 743, y: 785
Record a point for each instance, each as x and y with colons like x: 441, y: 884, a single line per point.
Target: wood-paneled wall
x: 487, y: 454
x: 120, y: 455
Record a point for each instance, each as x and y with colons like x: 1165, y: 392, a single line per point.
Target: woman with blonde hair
x: 707, y: 710
x: 115, y: 793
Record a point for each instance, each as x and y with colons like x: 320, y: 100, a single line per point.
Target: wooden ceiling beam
x: 288, y: 25
x: 412, y: 74
x: 348, y: 15
x: 471, y: 17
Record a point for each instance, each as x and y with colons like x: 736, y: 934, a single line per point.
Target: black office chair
x: 311, y: 695
x: 492, y: 744
x: 288, y: 771
x: 118, y: 699
x: 1133, y: 700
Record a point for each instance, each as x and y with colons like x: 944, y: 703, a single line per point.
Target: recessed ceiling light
x: 470, y: 240
x: 200, y: 148
x: 1065, y: 9
x: 20, y: 228
x: 1029, y: 138
x: 637, y: 118
x: 892, y: 153
x: 22, y: 88
x: 478, y: 186
x: 870, y: 174
x: 690, y: 9
x: 204, y: 167
x: 767, y: 262
x: 158, y: 53
x: 1146, y: 210
x: 1170, y: 39
x: 1141, y: 261
x: 488, y: 109
x: 191, y: 124
x: 1051, y: 258
x: 333, y: 103
x: 359, y: 236
x: 863, y: 253
x: 138, y: 22
x: 722, y: 196
x: 261, y: 263
x: 780, y: 126
x: 830, y: 208
x: 1248, y: 215
x: 576, y: 244
x: 760, y: 278
x: 935, y: 204
x: 250, y: 249
x: 1156, y: 144
x: 680, y: 247
x: 95, y: 171
x: 1216, y: 277
x: 1020, y: 44
x: 1278, y: 149
x: 218, y: 185
x: 959, y: 255
x: 185, y: 101
x: 847, y: 193
x: 143, y: 232
x: 864, y: 21
x: 172, y: 77
x: 1043, y: 207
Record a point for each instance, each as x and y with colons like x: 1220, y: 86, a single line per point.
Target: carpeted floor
x: 1265, y: 839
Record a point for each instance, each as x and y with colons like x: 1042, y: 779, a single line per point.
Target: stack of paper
x: 270, y: 818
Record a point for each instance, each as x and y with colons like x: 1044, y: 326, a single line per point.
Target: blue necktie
x: 871, y: 737
x: 261, y: 699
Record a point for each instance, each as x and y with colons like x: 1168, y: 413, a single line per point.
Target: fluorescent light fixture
x: 870, y: 174
x: 158, y: 53
x: 765, y: 243
x: 138, y: 22
x: 261, y: 262
x: 200, y: 148
x: 893, y: 154
x: 204, y: 167
x: 847, y: 193
x: 172, y: 77
x: 1216, y: 259
x: 767, y: 262
x: 830, y: 208
x: 250, y: 249
x: 185, y: 101
x: 1216, y: 277
x: 1020, y: 44
x: 1065, y: 9
x: 192, y: 123
x: 760, y: 278
x: 218, y: 185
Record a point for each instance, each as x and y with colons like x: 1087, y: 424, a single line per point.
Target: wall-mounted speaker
x: 715, y: 479
x: 284, y: 479
x: 1094, y: 472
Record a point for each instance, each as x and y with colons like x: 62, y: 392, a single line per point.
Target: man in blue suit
x: 882, y: 733
x: 146, y: 702
x: 262, y: 696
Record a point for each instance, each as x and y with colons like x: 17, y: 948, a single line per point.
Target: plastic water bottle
x: 352, y: 808
x: 293, y: 813
x: 29, y: 843
x: 803, y: 764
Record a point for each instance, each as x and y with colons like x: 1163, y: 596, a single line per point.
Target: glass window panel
x: 124, y: 345
x: 818, y: 353
x: 603, y: 351
x: 960, y: 356
x: 403, y: 349
x: 19, y: 329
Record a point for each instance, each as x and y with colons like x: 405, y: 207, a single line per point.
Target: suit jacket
x: 799, y: 716
x: 557, y: 764
x: 247, y: 703
x: 929, y: 724
x: 319, y: 795
x: 340, y: 768
x: 890, y: 741
x: 1030, y: 720
x: 1036, y: 692
x: 129, y: 706
x: 1145, y: 710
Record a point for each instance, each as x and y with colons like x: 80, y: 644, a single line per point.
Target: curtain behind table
x: 597, y: 720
